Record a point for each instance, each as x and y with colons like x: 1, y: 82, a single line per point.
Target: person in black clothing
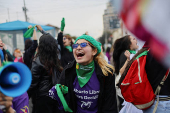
x: 89, y: 78
x: 66, y: 46
x: 30, y: 48
x: 45, y: 69
x: 66, y: 49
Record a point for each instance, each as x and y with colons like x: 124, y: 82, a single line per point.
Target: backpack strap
x: 158, y: 89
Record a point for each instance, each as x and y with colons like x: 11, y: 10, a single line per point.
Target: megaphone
x: 15, y: 78
x: 1, y: 55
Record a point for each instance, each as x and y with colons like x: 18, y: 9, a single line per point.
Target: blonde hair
x: 105, y: 67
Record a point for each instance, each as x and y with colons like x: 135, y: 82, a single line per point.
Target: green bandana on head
x: 132, y: 51
x: 84, y: 73
x: 90, y: 39
x: 69, y: 48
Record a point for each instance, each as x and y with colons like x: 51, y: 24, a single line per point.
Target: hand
x: 39, y: 27
x: 34, y: 35
x: 86, y: 33
x: 62, y: 24
x: 127, y: 54
x: 30, y: 26
x: 7, y: 102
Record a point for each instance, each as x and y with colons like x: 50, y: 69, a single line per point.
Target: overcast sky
x: 80, y: 15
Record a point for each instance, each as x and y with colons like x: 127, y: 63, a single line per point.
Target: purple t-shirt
x: 20, y: 104
x: 87, y: 96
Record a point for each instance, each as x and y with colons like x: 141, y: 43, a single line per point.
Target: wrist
x: 10, y: 110
x: 128, y: 60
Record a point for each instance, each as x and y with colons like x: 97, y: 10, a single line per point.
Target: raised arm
x: 41, y: 30
x: 122, y: 69
x: 33, y: 47
x: 60, y: 41
x: 60, y: 35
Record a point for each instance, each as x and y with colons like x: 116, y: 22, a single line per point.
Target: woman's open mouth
x: 80, y: 55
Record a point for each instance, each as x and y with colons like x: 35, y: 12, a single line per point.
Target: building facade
x: 111, y: 20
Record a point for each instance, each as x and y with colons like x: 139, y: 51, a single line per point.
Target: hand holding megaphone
x: 6, y: 103
x: 15, y: 79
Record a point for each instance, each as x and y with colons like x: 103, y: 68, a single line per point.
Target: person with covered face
x: 89, y: 79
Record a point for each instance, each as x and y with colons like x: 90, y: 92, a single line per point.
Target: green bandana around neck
x: 84, y: 73
x: 69, y: 48
x: 132, y: 51
x: 142, y: 54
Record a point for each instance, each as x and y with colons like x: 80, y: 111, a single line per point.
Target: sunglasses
x: 84, y: 44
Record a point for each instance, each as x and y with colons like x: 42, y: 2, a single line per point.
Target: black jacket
x: 66, y: 56
x: 107, y: 97
x: 155, y: 72
x: 29, y: 54
x: 41, y: 80
x: 7, y: 56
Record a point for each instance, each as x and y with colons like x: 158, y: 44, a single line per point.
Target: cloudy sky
x: 80, y: 15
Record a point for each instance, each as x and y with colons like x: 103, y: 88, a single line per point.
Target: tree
x: 102, y: 38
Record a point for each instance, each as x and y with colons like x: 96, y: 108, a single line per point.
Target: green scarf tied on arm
x: 84, y: 73
x: 69, y: 48
x: 132, y: 51
x: 60, y: 91
x: 62, y: 24
x: 29, y: 32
